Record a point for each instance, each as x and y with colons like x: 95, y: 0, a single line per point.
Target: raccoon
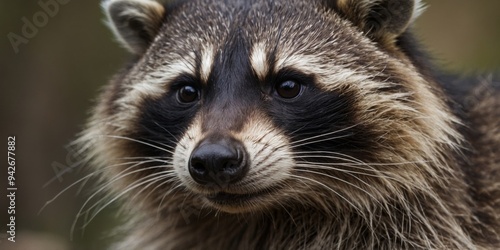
x: 292, y: 124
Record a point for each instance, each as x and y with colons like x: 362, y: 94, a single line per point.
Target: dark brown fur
x: 417, y: 162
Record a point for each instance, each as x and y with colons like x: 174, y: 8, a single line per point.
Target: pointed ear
x: 134, y: 22
x: 380, y: 19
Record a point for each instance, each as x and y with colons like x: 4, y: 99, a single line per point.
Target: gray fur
x: 431, y: 181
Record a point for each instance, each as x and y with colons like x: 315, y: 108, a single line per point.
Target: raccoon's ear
x: 380, y: 19
x: 134, y: 22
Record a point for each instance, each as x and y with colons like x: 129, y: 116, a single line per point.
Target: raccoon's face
x: 243, y: 106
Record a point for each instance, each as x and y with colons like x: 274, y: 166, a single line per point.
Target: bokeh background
x: 47, y: 88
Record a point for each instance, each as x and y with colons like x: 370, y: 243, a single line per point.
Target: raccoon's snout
x: 218, y: 161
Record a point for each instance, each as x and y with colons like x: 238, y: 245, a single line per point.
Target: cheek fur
x: 183, y: 149
x: 162, y: 123
x: 322, y: 121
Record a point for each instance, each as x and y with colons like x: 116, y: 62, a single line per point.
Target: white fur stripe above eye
x: 207, y: 61
x: 329, y: 76
x: 155, y: 84
x: 258, y: 59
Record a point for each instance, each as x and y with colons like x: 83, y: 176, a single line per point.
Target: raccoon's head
x: 240, y: 106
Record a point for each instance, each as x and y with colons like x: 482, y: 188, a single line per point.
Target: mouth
x: 228, y: 199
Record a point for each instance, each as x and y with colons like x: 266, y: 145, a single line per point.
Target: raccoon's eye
x: 288, y: 89
x: 187, y: 94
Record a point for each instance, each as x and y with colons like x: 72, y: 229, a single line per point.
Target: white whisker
x: 343, y: 181
x: 294, y: 144
x: 135, y: 184
x: 120, y: 175
x: 139, y: 141
x: 330, y: 189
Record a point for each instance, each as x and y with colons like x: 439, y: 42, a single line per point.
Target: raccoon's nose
x: 220, y: 163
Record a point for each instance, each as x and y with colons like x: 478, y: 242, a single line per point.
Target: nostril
x: 233, y: 164
x: 199, y: 167
x: 230, y: 167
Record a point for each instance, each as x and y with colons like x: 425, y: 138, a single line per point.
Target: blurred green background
x: 46, y: 91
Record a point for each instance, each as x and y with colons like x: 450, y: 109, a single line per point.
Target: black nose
x: 219, y: 162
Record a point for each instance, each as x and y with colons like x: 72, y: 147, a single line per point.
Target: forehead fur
x: 293, y: 25
x: 277, y: 34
